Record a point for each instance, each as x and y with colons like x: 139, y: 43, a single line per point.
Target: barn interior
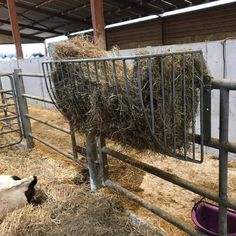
x: 154, y: 204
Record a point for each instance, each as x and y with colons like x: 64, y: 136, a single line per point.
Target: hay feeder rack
x: 97, y: 152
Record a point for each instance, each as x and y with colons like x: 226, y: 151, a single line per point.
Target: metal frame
x: 50, y: 65
x: 5, y: 95
x: 222, y: 144
x: 26, y: 118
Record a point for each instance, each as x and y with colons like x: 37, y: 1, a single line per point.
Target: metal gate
x: 10, y: 122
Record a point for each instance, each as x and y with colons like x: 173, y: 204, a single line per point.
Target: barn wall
x: 33, y: 86
x: 215, y: 23
x: 213, y: 54
x: 136, y: 35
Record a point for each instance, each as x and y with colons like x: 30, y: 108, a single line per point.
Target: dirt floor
x: 71, y: 209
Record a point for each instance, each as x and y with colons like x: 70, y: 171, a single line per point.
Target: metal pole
x: 223, y: 160
x: 91, y: 146
x: 15, y: 28
x: 159, y: 212
x: 23, y: 108
x: 98, y: 23
x: 103, y: 160
x: 168, y: 177
x: 3, y: 101
x: 73, y: 143
x: 207, y: 113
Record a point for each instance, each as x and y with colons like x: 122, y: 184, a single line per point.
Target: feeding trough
x: 205, y: 217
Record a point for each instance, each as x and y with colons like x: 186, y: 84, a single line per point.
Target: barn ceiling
x: 42, y: 19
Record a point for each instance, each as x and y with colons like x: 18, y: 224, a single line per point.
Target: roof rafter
x: 48, y: 12
x: 26, y: 36
x: 140, y: 7
x: 31, y: 27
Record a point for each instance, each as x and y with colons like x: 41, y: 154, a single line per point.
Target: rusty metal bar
x: 15, y: 28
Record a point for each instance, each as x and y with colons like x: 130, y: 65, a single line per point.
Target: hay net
x: 147, y: 101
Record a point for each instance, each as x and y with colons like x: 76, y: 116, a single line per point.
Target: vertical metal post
x: 73, y: 143
x: 102, y: 160
x: 4, y: 101
x: 223, y: 160
x: 91, y: 146
x: 23, y: 108
x: 207, y: 113
x: 15, y: 28
x: 98, y: 23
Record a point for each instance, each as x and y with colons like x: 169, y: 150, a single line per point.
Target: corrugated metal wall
x: 135, y: 35
x: 210, y: 24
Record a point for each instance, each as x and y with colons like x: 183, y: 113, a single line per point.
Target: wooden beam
x: 98, y: 23
x: 15, y: 28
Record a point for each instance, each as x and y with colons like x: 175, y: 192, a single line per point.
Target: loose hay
x: 65, y: 208
x: 94, y: 96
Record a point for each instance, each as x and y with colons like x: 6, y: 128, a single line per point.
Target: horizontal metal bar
x: 66, y: 154
x: 6, y: 91
x: 39, y: 75
x: 7, y: 105
x: 5, y: 74
x: 9, y: 131
x: 120, y: 58
x: 8, y: 111
x: 11, y: 144
x: 164, y: 215
x: 81, y: 150
x: 67, y: 131
x: 37, y: 98
x: 9, y: 126
x: 168, y: 177
x: 215, y: 143
x: 8, y: 118
x: 10, y: 97
x: 223, y: 83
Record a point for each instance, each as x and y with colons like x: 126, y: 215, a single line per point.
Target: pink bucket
x: 205, y: 217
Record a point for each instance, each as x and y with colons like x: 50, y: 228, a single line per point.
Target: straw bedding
x: 63, y: 204
x: 94, y: 97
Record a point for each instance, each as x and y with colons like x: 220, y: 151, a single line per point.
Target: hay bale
x: 94, y: 98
